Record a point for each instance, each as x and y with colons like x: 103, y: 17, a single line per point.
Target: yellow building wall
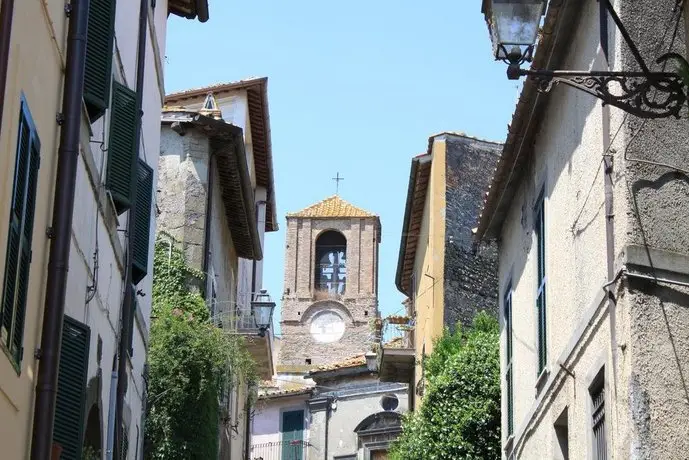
x: 429, y: 264
x: 35, y: 69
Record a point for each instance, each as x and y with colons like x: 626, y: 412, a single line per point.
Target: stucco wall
x: 429, y: 264
x: 35, y: 70
x: 644, y: 418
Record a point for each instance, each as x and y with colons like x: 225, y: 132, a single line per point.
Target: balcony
x: 396, y: 354
x: 282, y: 450
x: 239, y: 320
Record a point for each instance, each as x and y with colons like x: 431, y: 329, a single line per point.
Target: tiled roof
x: 271, y: 389
x: 259, y: 120
x: 354, y: 361
x: 333, y: 206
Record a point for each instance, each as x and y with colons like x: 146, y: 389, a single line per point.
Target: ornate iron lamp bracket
x: 651, y: 95
x: 645, y: 94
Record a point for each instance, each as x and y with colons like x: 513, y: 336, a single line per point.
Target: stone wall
x: 470, y: 276
x: 182, y: 190
x: 300, y: 302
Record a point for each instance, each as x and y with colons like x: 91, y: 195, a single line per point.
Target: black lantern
x: 514, y: 26
x: 262, y: 310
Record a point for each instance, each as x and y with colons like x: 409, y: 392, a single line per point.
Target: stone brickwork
x: 301, y: 301
x: 182, y: 190
x: 470, y: 275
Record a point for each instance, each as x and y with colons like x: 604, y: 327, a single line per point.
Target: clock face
x: 327, y: 327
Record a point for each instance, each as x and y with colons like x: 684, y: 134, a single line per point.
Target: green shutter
x: 142, y: 222
x: 122, y: 151
x: 20, y: 233
x: 292, y: 435
x: 71, y: 388
x: 98, y: 68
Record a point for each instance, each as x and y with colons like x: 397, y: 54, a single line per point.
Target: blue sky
x: 354, y: 87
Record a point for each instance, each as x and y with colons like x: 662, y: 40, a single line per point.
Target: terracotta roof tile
x: 354, y: 361
x: 333, y: 206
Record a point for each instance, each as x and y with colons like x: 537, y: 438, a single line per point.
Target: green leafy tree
x: 188, y: 362
x: 460, y: 414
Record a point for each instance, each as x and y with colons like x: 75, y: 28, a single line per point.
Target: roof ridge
x: 332, y: 206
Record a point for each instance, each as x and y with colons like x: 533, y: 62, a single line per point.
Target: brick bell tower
x: 331, y: 283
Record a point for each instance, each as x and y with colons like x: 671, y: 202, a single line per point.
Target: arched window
x: 331, y: 263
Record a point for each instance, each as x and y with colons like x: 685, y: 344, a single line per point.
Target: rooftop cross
x: 337, y: 180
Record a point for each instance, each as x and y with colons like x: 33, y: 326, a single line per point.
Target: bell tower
x: 331, y: 283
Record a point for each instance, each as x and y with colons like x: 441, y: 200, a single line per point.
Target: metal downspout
x: 207, y: 226
x: 6, y: 11
x: 60, y: 232
x: 126, y: 323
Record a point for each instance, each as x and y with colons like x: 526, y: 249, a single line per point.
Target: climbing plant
x: 460, y: 413
x: 189, y: 359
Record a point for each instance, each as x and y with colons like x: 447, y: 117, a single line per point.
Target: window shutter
x: 71, y: 388
x: 20, y: 233
x: 98, y: 68
x: 142, y: 222
x: 122, y: 151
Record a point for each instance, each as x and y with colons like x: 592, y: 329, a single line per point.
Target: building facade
x: 588, y: 205
x: 112, y: 173
x: 207, y: 203
x: 446, y: 277
x: 331, y: 284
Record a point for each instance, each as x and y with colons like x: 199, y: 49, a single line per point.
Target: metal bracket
x: 646, y: 95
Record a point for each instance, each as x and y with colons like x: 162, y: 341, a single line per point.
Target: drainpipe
x: 6, y: 10
x: 247, y: 431
x: 110, y: 439
x: 60, y: 232
x: 126, y: 323
x: 609, y: 200
x: 328, y: 409
x: 207, y: 225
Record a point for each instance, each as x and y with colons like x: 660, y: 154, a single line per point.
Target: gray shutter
x: 122, y: 151
x: 98, y: 68
x: 71, y: 388
x: 142, y: 221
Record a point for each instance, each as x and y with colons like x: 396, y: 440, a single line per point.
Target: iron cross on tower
x: 337, y: 180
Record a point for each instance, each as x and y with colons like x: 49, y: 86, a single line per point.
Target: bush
x: 460, y: 414
x: 188, y: 362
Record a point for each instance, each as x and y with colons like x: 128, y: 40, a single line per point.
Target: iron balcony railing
x: 281, y: 450
x: 234, y: 318
x: 397, y: 335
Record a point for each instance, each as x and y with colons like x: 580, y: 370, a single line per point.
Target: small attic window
x: 210, y: 103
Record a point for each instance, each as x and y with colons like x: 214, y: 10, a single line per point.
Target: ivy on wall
x: 460, y: 414
x: 189, y: 359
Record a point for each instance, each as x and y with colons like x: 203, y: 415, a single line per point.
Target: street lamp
x: 514, y: 25
x: 262, y: 310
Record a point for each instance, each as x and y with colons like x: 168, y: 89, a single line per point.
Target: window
x: 122, y: 149
x: 597, y: 392
x: 562, y: 436
x: 71, y: 387
x: 20, y: 233
x: 539, y: 228
x: 509, y: 376
x: 331, y: 264
x: 142, y: 221
x: 98, y: 67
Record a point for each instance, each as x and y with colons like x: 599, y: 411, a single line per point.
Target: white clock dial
x: 327, y: 327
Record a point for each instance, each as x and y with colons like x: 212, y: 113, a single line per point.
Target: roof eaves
x: 559, y: 25
x: 416, y: 163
